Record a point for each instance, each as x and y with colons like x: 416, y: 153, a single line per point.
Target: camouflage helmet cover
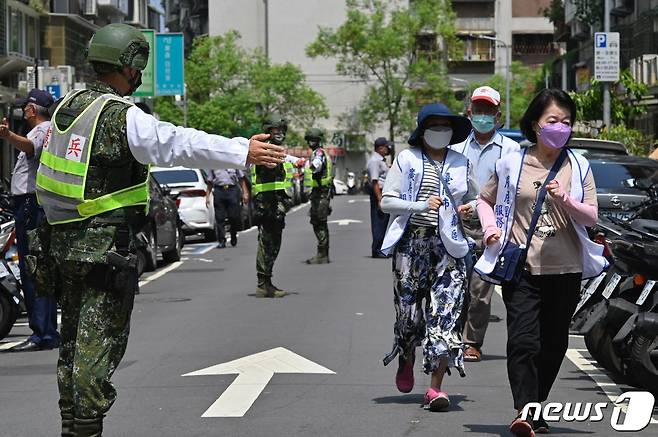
x: 275, y: 121
x: 314, y: 134
x: 119, y: 45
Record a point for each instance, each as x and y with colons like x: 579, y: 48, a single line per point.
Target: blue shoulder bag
x: 513, y: 257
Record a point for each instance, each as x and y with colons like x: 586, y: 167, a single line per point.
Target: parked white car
x: 194, y: 200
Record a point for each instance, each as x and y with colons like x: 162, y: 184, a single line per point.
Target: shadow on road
x: 503, y: 430
x: 419, y: 399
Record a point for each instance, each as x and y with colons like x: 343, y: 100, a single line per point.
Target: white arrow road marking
x: 345, y: 222
x: 254, y: 373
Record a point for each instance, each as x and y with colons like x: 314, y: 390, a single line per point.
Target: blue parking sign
x: 55, y: 90
x: 170, y: 64
x: 601, y: 40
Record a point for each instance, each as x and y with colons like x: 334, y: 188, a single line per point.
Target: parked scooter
x: 12, y: 302
x: 351, y: 183
x: 618, y: 311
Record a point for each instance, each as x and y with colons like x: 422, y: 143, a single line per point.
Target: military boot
x: 88, y: 427
x: 67, y: 425
x: 321, y: 258
x: 266, y: 289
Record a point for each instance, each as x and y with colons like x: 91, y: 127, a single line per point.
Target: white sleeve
x: 157, y: 142
x: 291, y: 159
x: 397, y: 206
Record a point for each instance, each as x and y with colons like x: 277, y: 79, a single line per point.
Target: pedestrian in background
x: 41, y: 311
x: 515, y: 209
x: 377, y: 170
x: 229, y: 190
x: 483, y: 147
x: 428, y: 188
x: 319, y: 178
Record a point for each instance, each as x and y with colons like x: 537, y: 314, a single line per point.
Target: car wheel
x: 8, y: 314
x: 151, y: 251
x: 173, y: 255
x: 141, y: 262
x: 210, y: 235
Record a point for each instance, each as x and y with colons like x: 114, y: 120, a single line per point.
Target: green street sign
x: 147, y: 89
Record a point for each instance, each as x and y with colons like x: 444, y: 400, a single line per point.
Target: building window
x: 427, y: 47
x: 32, y: 36
x: 539, y: 44
x: 15, y: 31
x: 478, y: 49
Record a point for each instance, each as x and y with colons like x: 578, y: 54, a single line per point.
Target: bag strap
x: 542, y: 195
x: 443, y: 182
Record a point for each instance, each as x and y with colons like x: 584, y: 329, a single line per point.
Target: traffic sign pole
x: 606, y: 85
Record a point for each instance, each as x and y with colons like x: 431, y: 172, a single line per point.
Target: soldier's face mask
x: 134, y: 80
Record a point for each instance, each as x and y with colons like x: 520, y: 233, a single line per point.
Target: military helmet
x: 314, y: 134
x: 275, y: 121
x: 119, y: 45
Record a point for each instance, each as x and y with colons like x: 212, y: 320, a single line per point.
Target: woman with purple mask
x: 558, y: 252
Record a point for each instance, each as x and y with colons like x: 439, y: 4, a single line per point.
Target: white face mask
x: 438, y: 137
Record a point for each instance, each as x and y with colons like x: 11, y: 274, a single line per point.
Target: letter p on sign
x: 601, y: 40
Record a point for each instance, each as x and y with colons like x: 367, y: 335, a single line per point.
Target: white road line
x: 9, y: 344
x: 161, y: 273
x: 598, y: 375
x: 302, y: 206
x: 248, y: 230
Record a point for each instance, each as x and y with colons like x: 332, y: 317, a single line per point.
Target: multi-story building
x: 637, y: 24
x: 190, y: 17
x: 493, y: 30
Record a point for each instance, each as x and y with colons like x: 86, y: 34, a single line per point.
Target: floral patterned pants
x: 429, y: 288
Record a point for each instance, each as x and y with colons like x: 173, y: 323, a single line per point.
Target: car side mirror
x: 166, y: 190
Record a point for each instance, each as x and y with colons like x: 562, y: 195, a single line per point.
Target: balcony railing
x: 475, y: 24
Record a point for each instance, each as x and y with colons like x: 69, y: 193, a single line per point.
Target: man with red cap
x: 483, y: 147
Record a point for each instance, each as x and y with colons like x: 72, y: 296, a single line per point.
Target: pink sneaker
x: 437, y: 400
x: 404, y: 379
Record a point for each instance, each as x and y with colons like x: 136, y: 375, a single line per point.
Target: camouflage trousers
x: 429, y: 289
x: 269, y: 244
x: 319, y: 212
x: 94, y: 335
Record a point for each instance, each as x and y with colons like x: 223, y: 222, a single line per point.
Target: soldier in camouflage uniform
x: 271, y: 190
x: 85, y: 253
x: 318, y: 178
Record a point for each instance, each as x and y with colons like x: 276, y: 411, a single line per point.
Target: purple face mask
x: 555, y: 135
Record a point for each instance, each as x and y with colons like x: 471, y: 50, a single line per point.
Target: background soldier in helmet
x: 272, y: 193
x: 318, y: 178
x: 93, y: 186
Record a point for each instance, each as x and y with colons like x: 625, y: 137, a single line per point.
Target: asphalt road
x: 202, y: 312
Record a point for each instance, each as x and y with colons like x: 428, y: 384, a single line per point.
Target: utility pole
x: 185, y: 105
x: 606, y: 85
x: 267, y: 29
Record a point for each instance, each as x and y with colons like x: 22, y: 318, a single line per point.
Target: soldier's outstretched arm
x: 156, y: 142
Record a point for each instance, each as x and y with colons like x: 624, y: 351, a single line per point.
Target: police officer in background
x: 229, y: 189
x: 271, y: 189
x: 318, y: 177
x: 93, y: 186
x: 41, y: 310
x: 377, y: 170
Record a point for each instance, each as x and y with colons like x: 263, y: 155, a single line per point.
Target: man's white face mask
x: 438, y: 137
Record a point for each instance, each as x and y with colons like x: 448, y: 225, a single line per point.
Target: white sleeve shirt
x: 157, y: 142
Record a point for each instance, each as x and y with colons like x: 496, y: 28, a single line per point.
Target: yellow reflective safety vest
x: 62, y: 173
x: 282, y: 182
x: 327, y: 175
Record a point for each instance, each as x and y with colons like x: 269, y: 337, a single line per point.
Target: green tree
x: 624, y: 100
x: 231, y: 88
x: 379, y: 44
x: 523, y: 87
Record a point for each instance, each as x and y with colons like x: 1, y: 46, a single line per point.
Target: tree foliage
x: 523, y: 87
x: 624, y: 100
x: 377, y: 44
x: 230, y: 89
